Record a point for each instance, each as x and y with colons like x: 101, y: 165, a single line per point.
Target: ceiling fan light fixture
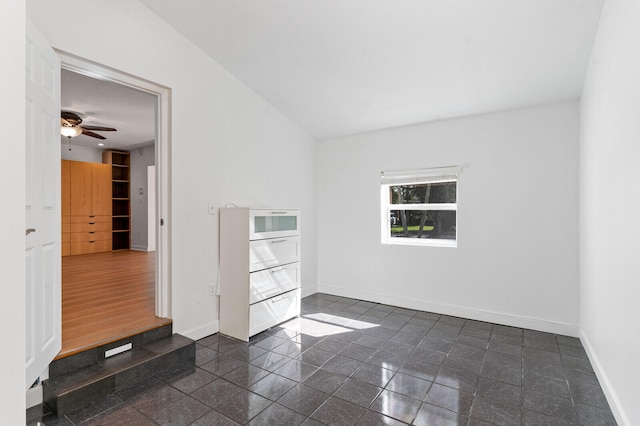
x: 70, y: 131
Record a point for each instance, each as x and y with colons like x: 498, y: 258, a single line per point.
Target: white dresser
x: 259, y: 269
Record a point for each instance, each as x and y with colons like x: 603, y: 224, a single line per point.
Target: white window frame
x: 413, y: 177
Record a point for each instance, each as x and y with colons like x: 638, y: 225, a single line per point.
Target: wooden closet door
x: 65, y: 188
x: 80, y: 188
x: 100, y: 189
x: 65, y: 206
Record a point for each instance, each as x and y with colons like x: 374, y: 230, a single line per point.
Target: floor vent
x: 118, y: 350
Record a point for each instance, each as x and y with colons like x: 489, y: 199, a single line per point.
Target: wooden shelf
x: 121, y: 203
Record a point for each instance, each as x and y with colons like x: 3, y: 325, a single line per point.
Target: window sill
x: 419, y: 242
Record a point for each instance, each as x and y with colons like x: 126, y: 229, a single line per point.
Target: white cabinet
x: 273, y: 252
x: 273, y: 311
x: 274, y: 281
x: 269, y: 223
x: 259, y: 269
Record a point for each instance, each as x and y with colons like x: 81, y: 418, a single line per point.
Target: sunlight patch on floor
x: 321, y: 324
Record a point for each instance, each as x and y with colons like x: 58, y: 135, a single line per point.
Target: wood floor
x: 106, y: 297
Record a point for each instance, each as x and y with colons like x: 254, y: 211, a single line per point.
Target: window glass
x: 433, y: 224
x: 439, y: 192
x: 420, y: 213
x: 275, y: 223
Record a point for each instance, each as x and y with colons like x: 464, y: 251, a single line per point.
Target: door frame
x: 162, y: 161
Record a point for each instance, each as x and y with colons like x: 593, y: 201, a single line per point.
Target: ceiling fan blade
x: 72, y: 119
x: 65, y: 122
x: 100, y: 128
x: 90, y: 133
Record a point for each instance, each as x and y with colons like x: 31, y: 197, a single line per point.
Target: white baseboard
x: 202, y: 331
x: 605, y: 384
x: 34, y: 396
x: 458, y: 311
x: 138, y: 248
x: 308, y: 290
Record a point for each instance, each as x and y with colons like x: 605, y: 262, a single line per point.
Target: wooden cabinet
x: 65, y: 206
x: 90, y: 189
x: 86, y: 207
x: 100, y: 190
x: 119, y: 175
x: 80, y: 188
x: 259, y: 269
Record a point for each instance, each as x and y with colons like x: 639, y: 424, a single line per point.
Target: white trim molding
x: 212, y: 327
x: 95, y: 70
x: 457, y: 311
x: 609, y: 392
x: 308, y: 290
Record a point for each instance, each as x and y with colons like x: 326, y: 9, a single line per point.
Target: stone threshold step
x: 68, y: 363
x: 74, y: 389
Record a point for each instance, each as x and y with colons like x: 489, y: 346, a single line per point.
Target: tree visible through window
x: 421, y: 212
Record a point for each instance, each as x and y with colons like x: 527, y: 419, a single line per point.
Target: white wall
x: 12, y: 225
x: 78, y: 152
x: 140, y: 158
x: 227, y: 144
x: 516, y: 260
x: 610, y: 208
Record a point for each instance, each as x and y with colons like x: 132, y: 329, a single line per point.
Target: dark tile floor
x: 347, y: 362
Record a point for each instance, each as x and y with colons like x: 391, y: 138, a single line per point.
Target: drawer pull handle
x: 92, y: 223
x: 277, y: 299
x: 278, y: 241
x: 92, y: 232
x: 274, y: 270
x: 92, y: 216
x: 92, y: 242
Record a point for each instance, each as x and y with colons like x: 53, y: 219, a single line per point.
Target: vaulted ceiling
x: 339, y: 67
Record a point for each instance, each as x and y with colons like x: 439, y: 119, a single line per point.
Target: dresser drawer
x: 90, y: 219
x: 87, y: 247
x: 265, y: 254
x: 91, y: 227
x: 77, y: 237
x: 273, y: 311
x: 267, y: 223
x: 271, y: 282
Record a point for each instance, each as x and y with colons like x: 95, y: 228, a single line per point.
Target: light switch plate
x: 212, y: 208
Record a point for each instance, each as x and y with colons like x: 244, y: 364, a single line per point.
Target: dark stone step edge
x: 108, y: 379
x: 74, y: 362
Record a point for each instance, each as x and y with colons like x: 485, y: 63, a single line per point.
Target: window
x: 420, y: 207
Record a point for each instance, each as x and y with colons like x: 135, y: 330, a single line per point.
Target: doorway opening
x: 123, y: 289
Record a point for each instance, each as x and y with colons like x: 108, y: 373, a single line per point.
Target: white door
x: 151, y: 208
x: 43, y: 261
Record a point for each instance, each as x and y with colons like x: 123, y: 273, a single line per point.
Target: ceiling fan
x: 70, y: 126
